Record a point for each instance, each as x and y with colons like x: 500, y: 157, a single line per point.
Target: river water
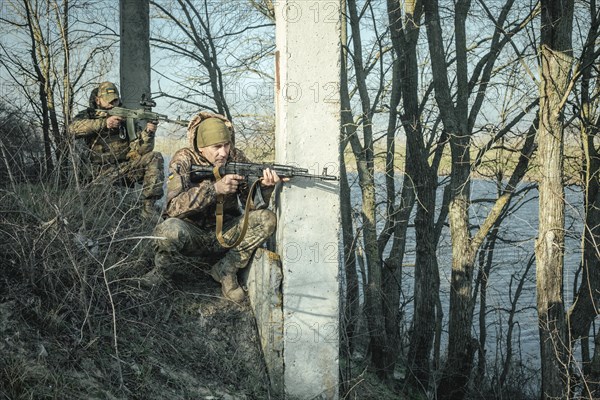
x: 511, y: 255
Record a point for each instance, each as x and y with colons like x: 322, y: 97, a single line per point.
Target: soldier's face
x: 217, y: 154
x: 106, y: 105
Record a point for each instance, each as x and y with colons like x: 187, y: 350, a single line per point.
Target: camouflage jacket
x: 108, y: 146
x: 196, y: 201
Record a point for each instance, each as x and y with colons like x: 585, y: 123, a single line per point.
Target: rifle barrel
x: 249, y: 169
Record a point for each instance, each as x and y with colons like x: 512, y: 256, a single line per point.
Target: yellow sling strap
x: 219, y: 214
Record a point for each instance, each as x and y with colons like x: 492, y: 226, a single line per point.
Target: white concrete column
x: 308, y: 232
x: 135, y: 51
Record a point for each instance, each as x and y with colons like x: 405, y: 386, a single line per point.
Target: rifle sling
x: 219, y: 215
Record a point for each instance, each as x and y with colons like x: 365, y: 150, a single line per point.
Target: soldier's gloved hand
x: 229, y: 184
x: 113, y: 122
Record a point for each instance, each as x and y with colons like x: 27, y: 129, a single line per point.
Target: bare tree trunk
x: 507, y: 363
x: 421, y: 177
x: 351, y: 301
x: 352, y: 298
x: 382, y: 359
x: 41, y: 68
x: 44, y: 64
x: 460, y: 345
x: 556, y: 63
x: 486, y: 255
x: 585, y: 307
x: 397, y: 222
x: 62, y: 17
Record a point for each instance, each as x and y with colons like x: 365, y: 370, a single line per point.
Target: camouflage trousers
x: 177, y: 237
x: 147, y: 170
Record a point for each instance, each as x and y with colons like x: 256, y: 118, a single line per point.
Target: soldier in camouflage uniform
x: 111, y: 154
x: 189, y: 229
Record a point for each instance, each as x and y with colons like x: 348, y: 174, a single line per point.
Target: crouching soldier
x: 112, y: 154
x: 193, y: 209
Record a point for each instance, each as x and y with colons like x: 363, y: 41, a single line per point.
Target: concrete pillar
x: 135, y: 51
x: 308, y: 230
x: 263, y: 279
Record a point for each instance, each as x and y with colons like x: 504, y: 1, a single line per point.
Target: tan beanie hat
x: 212, y: 131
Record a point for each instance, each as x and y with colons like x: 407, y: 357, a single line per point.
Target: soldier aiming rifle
x: 130, y: 116
x: 203, y: 218
x: 123, y: 152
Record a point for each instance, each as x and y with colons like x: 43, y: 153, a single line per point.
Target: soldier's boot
x: 226, y: 275
x: 150, y: 211
x: 156, y: 276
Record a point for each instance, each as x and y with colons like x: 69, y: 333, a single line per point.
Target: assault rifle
x: 130, y: 115
x: 247, y: 170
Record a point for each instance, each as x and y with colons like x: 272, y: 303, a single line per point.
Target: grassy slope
x: 75, y: 323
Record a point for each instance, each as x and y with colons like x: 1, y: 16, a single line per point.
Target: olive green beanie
x: 212, y: 131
